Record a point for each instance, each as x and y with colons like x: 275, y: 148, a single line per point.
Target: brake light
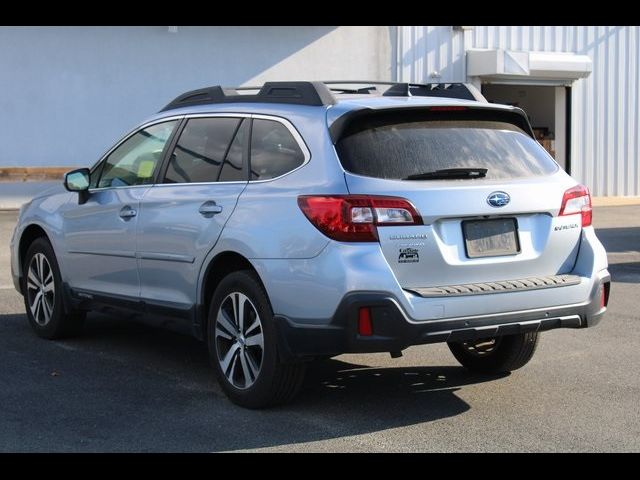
x: 577, y: 200
x: 449, y: 108
x: 353, y: 218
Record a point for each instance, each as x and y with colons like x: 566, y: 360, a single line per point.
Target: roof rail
x: 464, y: 91
x: 320, y: 93
x: 296, y: 93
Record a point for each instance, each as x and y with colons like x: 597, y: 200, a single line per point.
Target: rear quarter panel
x: 267, y: 222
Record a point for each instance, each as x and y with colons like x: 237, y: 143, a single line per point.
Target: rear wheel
x: 496, y: 355
x: 242, y: 345
x: 43, y: 295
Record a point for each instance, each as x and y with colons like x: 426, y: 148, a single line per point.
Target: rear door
x: 500, y: 226
x: 183, y: 215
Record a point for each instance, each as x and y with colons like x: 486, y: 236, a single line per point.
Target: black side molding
x: 91, y: 300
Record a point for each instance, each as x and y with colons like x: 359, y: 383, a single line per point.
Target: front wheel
x: 43, y: 296
x: 496, y: 355
x: 242, y: 343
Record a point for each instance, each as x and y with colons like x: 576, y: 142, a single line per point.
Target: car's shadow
x: 621, y: 239
x: 160, y: 395
x: 622, y: 245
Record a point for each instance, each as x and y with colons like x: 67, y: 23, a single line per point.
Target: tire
x: 44, y: 296
x: 496, y: 355
x: 246, y: 360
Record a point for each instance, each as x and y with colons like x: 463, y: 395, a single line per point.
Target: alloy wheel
x: 239, y: 340
x: 41, y: 289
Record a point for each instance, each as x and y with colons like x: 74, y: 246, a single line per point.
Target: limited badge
x: 408, y: 255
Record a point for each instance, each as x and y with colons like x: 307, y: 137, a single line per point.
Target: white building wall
x: 605, y: 117
x: 68, y: 93
x: 430, y: 54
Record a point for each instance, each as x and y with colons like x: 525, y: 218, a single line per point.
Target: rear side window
x: 274, y: 150
x: 201, y: 150
x: 396, y: 149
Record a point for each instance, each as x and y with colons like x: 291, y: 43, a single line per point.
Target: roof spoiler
x: 515, y: 116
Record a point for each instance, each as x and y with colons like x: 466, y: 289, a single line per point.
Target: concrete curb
x: 614, y: 201
x: 24, y: 174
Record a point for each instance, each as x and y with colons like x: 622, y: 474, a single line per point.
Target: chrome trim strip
x: 102, y: 189
x: 164, y: 185
x: 105, y: 253
x: 542, y: 311
x: 131, y: 133
x: 298, y: 138
x: 502, y: 286
x: 538, y: 322
x: 283, y: 121
x: 288, y: 125
x: 166, y: 257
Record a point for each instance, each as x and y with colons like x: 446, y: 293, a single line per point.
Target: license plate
x: 491, y: 238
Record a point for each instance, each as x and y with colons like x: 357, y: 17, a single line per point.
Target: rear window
x: 396, y: 149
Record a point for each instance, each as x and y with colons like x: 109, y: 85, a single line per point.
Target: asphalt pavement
x: 127, y: 386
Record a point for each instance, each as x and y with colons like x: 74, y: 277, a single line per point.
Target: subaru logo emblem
x: 498, y: 199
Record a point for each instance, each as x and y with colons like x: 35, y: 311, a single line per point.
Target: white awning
x: 511, y: 65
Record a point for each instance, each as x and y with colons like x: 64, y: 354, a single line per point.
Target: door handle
x: 128, y: 212
x: 209, y: 209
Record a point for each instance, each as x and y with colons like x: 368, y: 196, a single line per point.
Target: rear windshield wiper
x: 452, y: 173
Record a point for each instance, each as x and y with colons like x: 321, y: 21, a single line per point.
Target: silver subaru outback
x: 303, y: 220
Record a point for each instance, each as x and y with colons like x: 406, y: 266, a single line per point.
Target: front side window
x: 274, y: 150
x: 135, y: 161
x: 201, y: 150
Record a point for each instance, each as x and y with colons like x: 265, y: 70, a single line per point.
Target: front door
x: 100, y: 234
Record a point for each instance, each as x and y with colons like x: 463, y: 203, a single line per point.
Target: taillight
x: 577, y: 200
x: 353, y: 218
x: 604, y: 294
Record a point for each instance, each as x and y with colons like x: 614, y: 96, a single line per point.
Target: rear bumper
x: 393, y: 330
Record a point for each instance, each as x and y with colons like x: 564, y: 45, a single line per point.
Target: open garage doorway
x: 548, y: 108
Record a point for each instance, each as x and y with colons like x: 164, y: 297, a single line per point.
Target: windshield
x: 399, y: 150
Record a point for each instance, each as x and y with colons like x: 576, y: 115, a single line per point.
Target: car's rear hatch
x: 475, y: 229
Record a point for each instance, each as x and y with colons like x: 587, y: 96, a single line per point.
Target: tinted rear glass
x: 395, y: 150
x: 201, y: 150
x: 274, y: 151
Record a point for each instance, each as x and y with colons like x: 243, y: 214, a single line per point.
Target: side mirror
x: 78, y: 181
